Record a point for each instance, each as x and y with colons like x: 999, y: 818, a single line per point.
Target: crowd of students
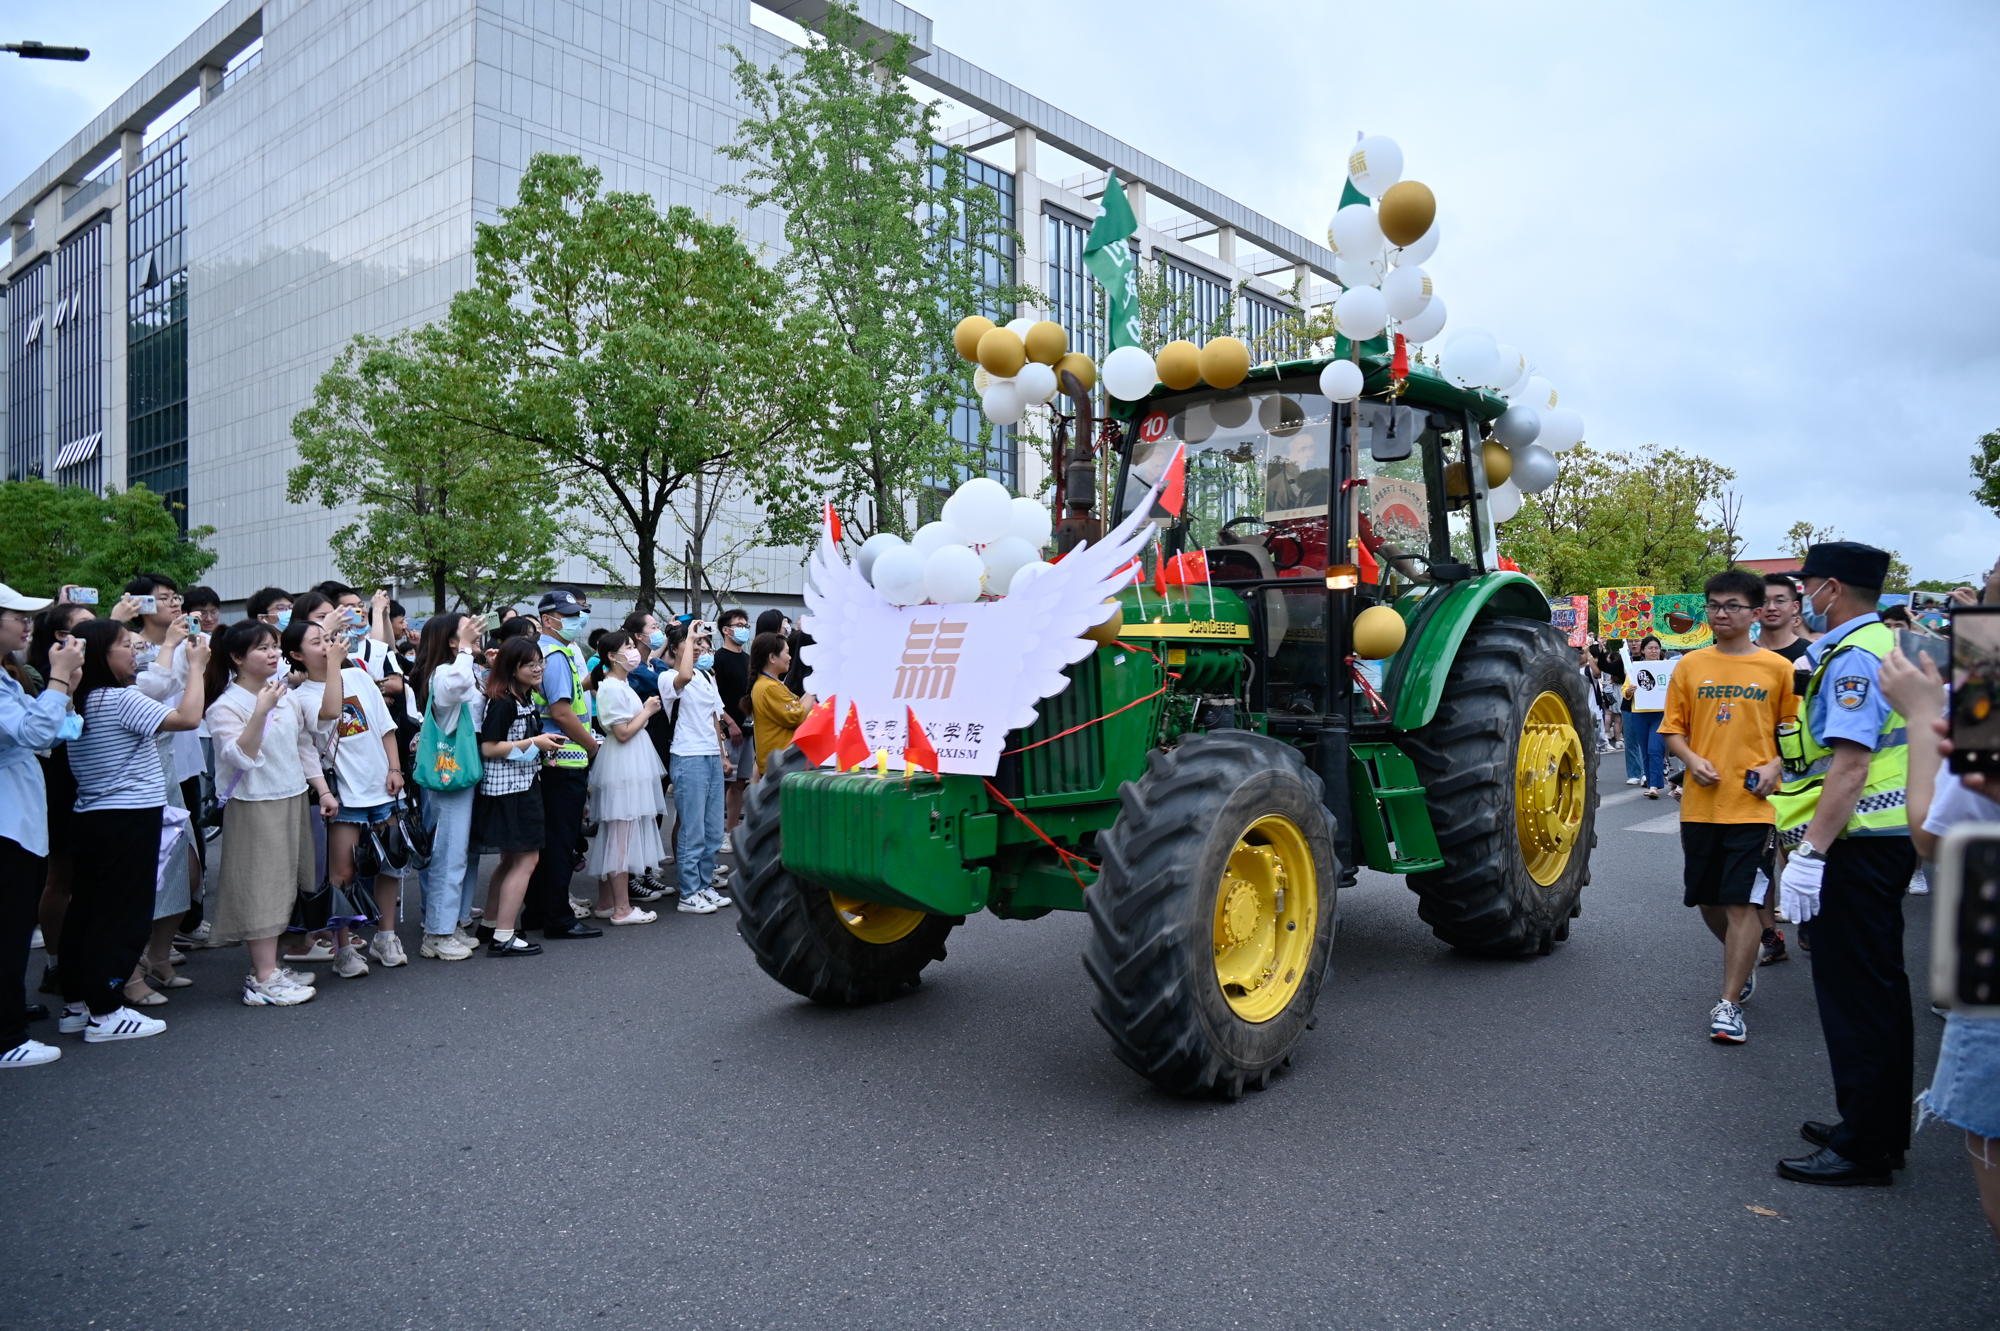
x: 327, y: 753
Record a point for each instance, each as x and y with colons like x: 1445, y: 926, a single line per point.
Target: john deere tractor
x: 1217, y: 771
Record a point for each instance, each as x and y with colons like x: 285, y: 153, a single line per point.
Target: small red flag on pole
x: 851, y: 750
x: 832, y: 522
x: 917, y: 749
x: 1188, y: 568
x: 1173, y: 495
x: 816, y: 738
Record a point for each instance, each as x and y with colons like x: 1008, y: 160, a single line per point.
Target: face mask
x: 1815, y: 620
x: 656, y: 640
x: 742, y: 635
x: 629, y: 658
x: 706, y: 661
x: 284, y: 620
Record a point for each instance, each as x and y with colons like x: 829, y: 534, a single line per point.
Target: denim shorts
x: 1965, y: 1089
x: 373, y: 816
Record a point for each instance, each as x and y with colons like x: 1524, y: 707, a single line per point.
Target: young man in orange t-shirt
x: 1723, y: 708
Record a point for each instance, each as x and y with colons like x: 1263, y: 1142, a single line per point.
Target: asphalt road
x: 645, y: 1131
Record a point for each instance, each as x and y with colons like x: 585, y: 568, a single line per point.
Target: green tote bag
x: 448, y: 762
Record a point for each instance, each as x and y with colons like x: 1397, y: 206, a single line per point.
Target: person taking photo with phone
x: 1723, y: 708
x: 1841, y: 810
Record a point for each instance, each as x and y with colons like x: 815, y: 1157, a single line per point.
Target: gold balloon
x: 1378, y: 633
x: 1107, y: 633
x: 1082, y: 367
x: 1499, y: 463
x: 1046, y: 342
x: 966, y: 336
x: 1224, y: 362
x: 1179, y: 365
x: 1001, y: 352
x: 1408, y: 208
x: 1456, y: 482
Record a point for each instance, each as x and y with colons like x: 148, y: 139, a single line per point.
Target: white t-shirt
x: 1953, y: 804
x: 354, y: 738
x: 701, y: 706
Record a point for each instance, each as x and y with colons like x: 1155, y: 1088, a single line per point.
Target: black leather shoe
x: 574, y: 929
x: 1819, y: 1134
x: 38, y: 1011
x: 1831, y: 1169
x: 516, y: 946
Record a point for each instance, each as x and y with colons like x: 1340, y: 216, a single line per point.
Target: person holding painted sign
x: 1724, y: 704
x: 1642, y: 723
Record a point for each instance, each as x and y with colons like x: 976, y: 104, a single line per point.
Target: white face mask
x: 629, y: 659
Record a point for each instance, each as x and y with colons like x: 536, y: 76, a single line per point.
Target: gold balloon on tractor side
x: 1457, y: 481
x: 1499, y: 463
x: 966, y: 336
x: 1082, y: 367
x: 1106, y: 633
x: 1046, y: 342
x: 1407, y: 210
x: 1001, y: 352
x: 1378, y: 633
x: 1224, y: 362
x: 1179, y: 365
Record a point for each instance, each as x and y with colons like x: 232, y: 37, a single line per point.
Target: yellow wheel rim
x: 1548, y: 788
x: 873, y: 922
x: 1266, y: 914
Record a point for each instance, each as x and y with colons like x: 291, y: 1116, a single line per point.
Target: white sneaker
x: 444, y: 947
x: 465, y: 935
x: 73, y: 1020
x: 121, y: 1024
x: 197, y: 939
x: 388, y: 949
x: 276, y: 992
x: 34, y: 944
x: 636, y: 916
x: 716, y: 897
x: 728, y: 845
x: 1920, y: 886
x: 1635, y: 780
x: 321, y: 950
x: 349, y: 965
x: 29, y: 1054
x: 698, y: 904
x: 303, y: 979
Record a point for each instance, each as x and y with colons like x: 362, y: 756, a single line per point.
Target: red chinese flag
x: 1188, y: 569
x: 1173, y: 495
x: 1399, y: 364
x: 1371, y: 572
x: 1159, y: 573
x: 851, y: 750
x: 1509, y: 566
x: 815, y: 738
x: 832, y: 522
x: 917, y: 750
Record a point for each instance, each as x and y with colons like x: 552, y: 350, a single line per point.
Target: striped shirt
x: 115, y: 761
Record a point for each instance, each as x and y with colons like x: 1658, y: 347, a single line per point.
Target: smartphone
x: 1915, y: 644
x: 1975, y: 688
x: 492, y: 620
x: 80, y: 595
x: 1750, y: 782
x: 148, y: 605
x: 1965, y: 921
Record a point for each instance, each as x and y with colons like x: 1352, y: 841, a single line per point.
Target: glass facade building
x: 968, y: 424
x: 27, y: 444
x: 156, y: 326
x: 80, y: 356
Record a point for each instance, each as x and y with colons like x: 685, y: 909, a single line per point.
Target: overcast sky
x: 1769, y: 234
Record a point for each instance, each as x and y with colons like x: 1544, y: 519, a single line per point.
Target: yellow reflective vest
x: 1880, y: 811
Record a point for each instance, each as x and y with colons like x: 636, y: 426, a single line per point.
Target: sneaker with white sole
x: 1725, y: 1024
x: 698, y: 904
x: 728, y: 845
x: 29, y: 1054
x: 121, y: 1024
x: 196, y: 938
x: 1749, y: 988
x: 1635, y: 781
x: 303, y: 979
x: 443, y: 947
x: 349, y: 963
x: 464, y: 934
x: 386, y: 948
x: 73, y: 1020
x: 635, y: 916
x: 35, y: 939
x: 716, y: 896
x: 275, y: 992
x: 321, y: 950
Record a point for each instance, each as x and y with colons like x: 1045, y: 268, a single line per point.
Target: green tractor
x: 1212, y: 777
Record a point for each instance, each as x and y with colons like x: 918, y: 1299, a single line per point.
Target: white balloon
x: 934, y: 536
x: 1511, y: 366
x: 1360, y: 313
x: 1539, y: 393
x: 1001, y: 402
x: 1037, y: 382
x: 1426, y: 325
x: 1503, y: 501
x: 1534, y: 469
x: 1358, y: 272
x: 1027, y: 574
x: 1513, y: 391
x: 1031, y: 522
x: 980, y: 510
x: 952, y: 575
x: 1518, y: 426
x: 1003, y: 559
x: 1356, y: 233
x: 1418, y: 252
x: 1129, y: 374
x: 1406, y: 291
x: 1019, y: 327
x: 1340, y: 381
x: 1469, y: 359
x: 899, y: 575
x: 1374, y: 164
x: 1562, y: 430
x: 871, y: 550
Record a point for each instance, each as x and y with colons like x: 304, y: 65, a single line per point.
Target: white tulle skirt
x: 627, y: 802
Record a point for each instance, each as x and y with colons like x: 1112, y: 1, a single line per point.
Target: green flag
x: 1110, y: 261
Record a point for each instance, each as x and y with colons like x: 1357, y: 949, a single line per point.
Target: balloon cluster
x: 1532, y: 430
x: 986, y: 542
x: 1020, y: 365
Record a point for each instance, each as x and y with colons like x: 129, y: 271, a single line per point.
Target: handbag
x: 312, y: 910
x: 448, y: 762
x: 415, y: 836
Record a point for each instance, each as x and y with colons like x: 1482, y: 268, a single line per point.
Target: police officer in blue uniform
x: 1841, y: 813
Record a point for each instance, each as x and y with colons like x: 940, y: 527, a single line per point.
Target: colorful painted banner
x: 1571, y: 614
x: 1680, y: 621
x: 1624, y: 612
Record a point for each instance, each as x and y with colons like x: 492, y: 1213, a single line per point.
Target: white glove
x: 1798, y: 888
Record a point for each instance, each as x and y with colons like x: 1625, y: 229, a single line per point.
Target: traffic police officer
x: 1841, y: 813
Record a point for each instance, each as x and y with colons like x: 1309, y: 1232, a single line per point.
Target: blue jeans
x: 1642, y: 733
x: 452, y: 876
x: 1635, y: 756
x: 698, y: 802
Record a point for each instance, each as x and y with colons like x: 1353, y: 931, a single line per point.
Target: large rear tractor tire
x: 1212, y: 919
x: 1510, y: 774
x: 831, y: 949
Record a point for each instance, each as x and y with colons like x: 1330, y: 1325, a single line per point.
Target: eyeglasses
x: 1728, y: 608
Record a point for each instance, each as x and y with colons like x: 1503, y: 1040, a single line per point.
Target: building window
x: 1260, y: 318
x: 1199, y: 304
x: 1075, y: 300
x: 79, y: 332
x: 1003, y: 462
x: 27, y: 339
x: 156, y: 453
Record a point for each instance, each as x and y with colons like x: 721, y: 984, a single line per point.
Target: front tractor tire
x: 1511, y: 780
x: 832, y: 949
x: 1212, y: 919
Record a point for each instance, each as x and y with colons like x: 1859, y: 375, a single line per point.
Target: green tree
x: 1986, y: 470
x: 1656, y: 518
x: 887, y: 243
x: 56, y: 534
x: 457, y: 509
x: 1801, y: 535
x: 638, y: 350
x: 1169, y: 315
